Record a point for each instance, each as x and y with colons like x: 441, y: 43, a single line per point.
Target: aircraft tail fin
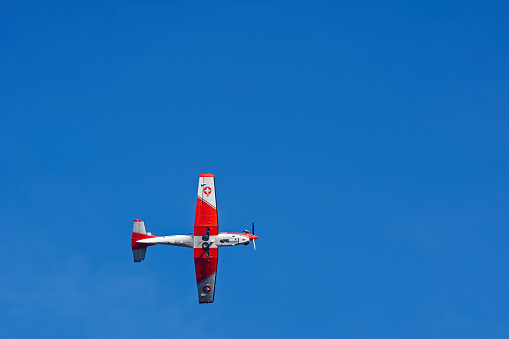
x: 139, y: 233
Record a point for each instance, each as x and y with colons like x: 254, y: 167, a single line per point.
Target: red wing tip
x: 206, y: 175
x: 137, y: 261
x: 206, y: 302
x: 137, y: 220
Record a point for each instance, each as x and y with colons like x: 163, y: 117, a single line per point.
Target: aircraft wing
x: 205, y: 234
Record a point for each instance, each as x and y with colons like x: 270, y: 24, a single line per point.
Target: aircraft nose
x: 252, y: 237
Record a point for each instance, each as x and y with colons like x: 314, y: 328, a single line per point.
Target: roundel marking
x: 207, y: 190
x: 206, y: 288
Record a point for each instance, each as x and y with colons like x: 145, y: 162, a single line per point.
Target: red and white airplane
x: 205, y: 240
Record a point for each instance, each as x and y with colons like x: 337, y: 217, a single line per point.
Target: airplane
x: 205, y: 240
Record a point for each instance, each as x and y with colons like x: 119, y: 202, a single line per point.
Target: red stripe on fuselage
x: 138, y: 236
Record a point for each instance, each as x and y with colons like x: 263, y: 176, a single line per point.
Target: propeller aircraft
x: 205, y: 240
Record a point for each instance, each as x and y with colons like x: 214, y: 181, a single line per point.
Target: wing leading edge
x: 205, y: 234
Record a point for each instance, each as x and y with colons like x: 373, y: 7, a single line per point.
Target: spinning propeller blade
x: 254, y: 244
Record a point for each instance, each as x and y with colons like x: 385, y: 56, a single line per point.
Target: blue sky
x: 367, y: 140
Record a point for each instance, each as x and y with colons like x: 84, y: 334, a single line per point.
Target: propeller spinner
x: 251, y: 238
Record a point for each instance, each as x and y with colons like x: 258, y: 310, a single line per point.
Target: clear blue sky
x: 368, y: 141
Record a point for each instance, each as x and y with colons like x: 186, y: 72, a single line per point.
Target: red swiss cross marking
x: 207, y: 190
x: 206, y: 289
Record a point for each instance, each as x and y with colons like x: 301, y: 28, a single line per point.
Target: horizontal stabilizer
x: 139, y: 233
x: 139, y: 254
x: 139, y: 227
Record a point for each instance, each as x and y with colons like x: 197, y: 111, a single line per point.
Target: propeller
x: 254, y: 244
x: 251, y: 238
